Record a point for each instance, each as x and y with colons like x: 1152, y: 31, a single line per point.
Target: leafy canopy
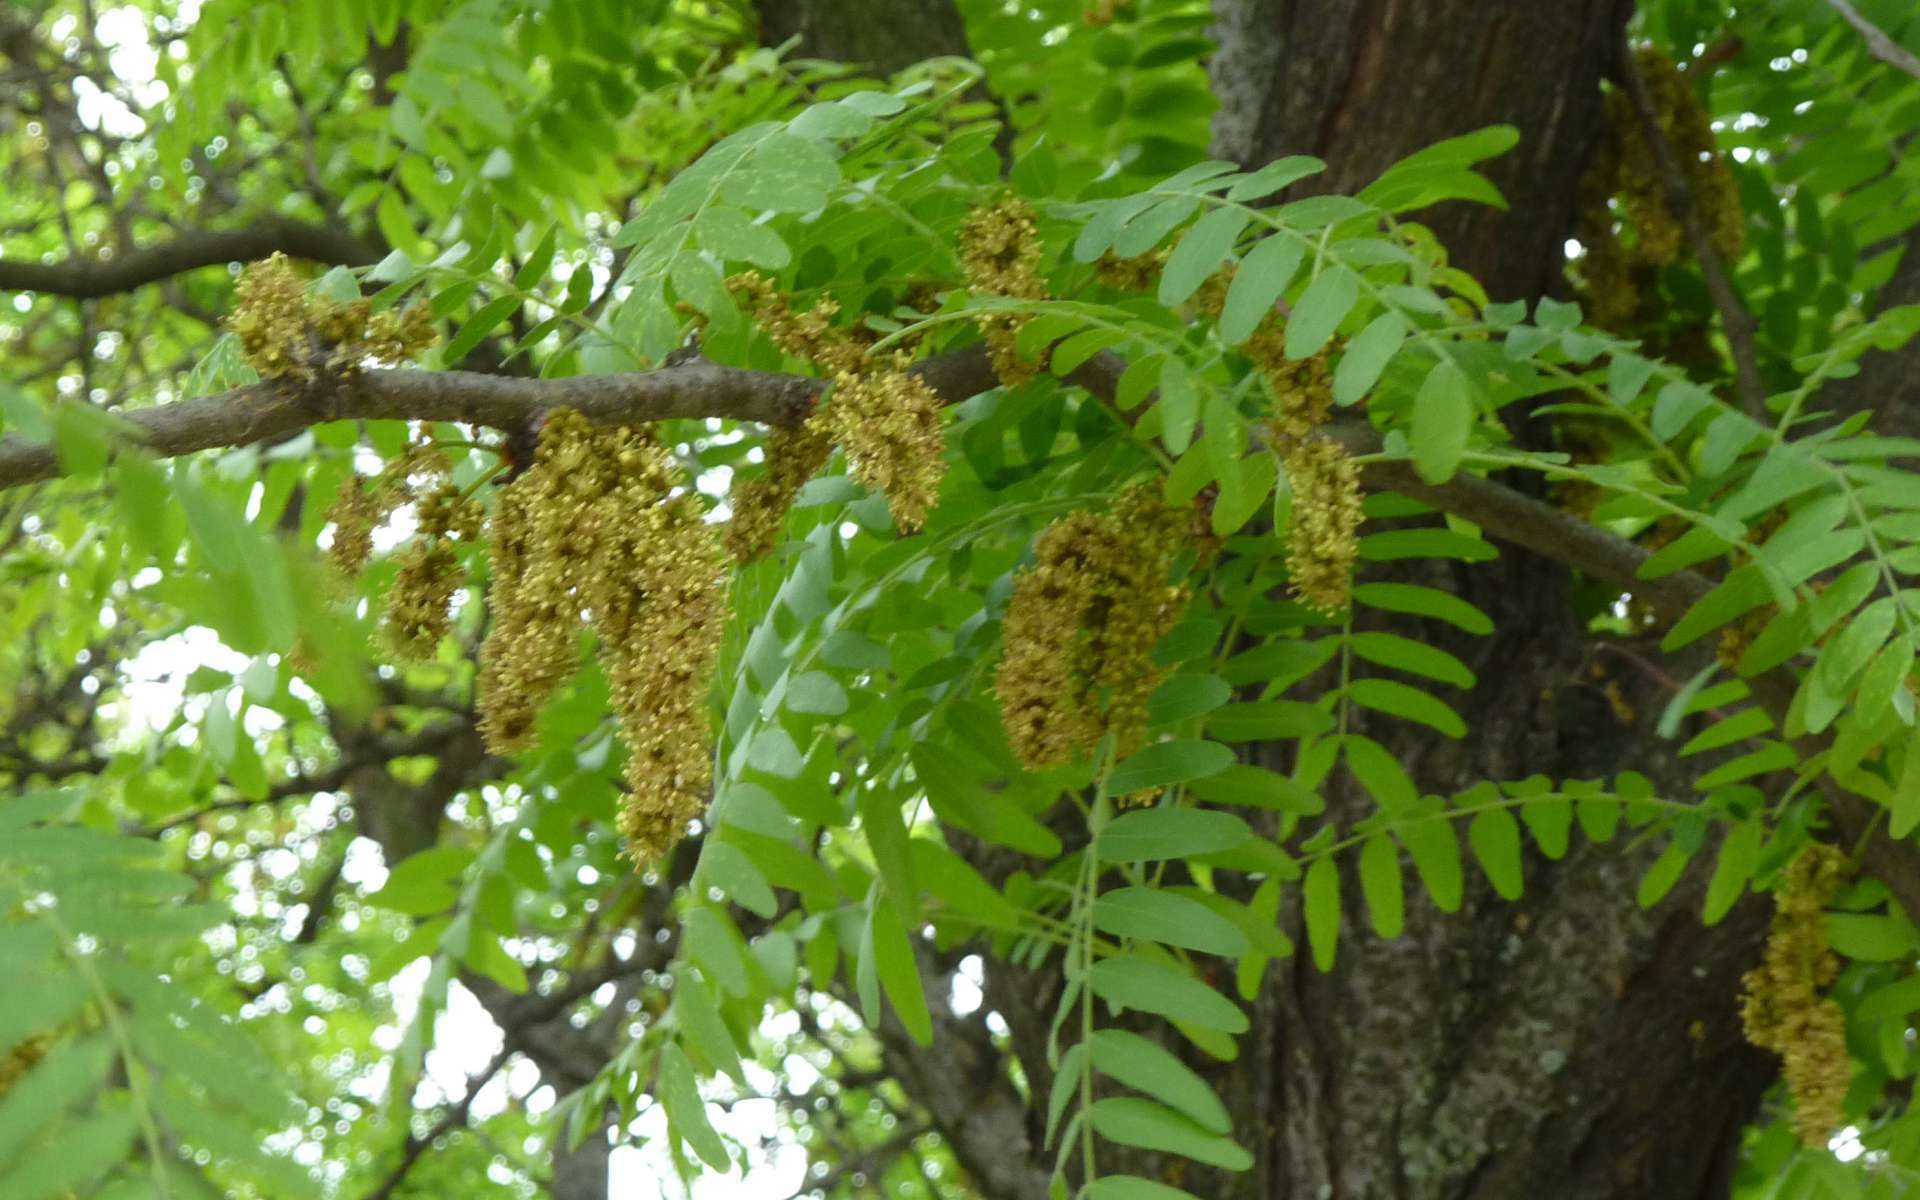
x: 1088, y: 478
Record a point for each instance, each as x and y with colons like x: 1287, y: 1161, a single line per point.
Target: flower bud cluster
x: 1323, y: 533
x: 886, y: 419
x: 602, y: 531
x: 1000, y: 252
x: 285, y: 333
x: 1081, y: 627
x: 1784, y: 1010
x: 420, y: 603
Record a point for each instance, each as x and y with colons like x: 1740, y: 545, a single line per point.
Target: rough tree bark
x: 1569, y: 1044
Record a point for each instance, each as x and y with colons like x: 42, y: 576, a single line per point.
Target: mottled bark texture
x: 1361, y: 83
x: 882, y: 35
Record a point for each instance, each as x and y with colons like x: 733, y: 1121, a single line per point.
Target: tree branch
x: 90, y: 279
x: 1879, y: 44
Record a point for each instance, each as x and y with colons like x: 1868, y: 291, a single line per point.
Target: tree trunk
x: 882, y: 35
x: 1569, y: 1044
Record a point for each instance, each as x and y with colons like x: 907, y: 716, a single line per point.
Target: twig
x: 1735, y: 320
x: 1879, y: 44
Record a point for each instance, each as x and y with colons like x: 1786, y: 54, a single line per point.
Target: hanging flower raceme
x: 602, y: 529
x: 883, y: 416
x: 1081, y: 627
x: 420, y: 604
x: 1785, y: 1011
x: 1001, y: 253
x: 1323, y: 532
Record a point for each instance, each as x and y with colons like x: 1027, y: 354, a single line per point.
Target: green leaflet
x: 1173, y: 920
x: 1149, y: 987
x: 1147, y: 1067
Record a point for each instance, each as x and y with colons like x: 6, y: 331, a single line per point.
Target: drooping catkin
x: 1784, y: 1009
x: 885, y: 418
x: 1000, y: 252
x: 1081, y: 627
x: 602, y: 530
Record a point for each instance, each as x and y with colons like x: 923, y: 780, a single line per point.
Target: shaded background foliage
x: 250, y: 860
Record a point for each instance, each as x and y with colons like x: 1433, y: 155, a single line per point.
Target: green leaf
x: 1320, y: 894
x: 727, y: 867
x: 1381, y: 884
x: 1905, y: 814
x: 1132, y: 1121
x: 709, y: 939
x: 477, y: 327
x: 1417, y: 658
x: 1257, y: 787
x: 1379, y: 772
x: 1268, y: 720
x: 1396, y: 544
x: 1550, y: 820
x: 1739, y: 855
x: 1421, y: 601
x: 1274, y: 177
x: 1872, y: 937
x: 1743, y: 590
x: 1150, y: 987
x: 686, y: 1111
x: 948, y: 878
x: 735, y: 237
x: 1435, y: 850
x: 1183, y: 697
x: 1319, y: 311
x: 698, y: 1015
x: 1443, y: 417
x: 1150, y: 834
x: 899, y: 972
x: 1132, y: 1187
x: 1366, y: 356
x: 1401, y: 700
x: 1663, y: 874
x: 1168, y: 918
x: 1147, y: 1067
x: 1495, y: 838
x: 1165, y: 763
x: 1200, y: 252
x: 1261, y: 280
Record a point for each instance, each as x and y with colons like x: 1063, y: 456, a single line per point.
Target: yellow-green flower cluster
x: 601, y: 530
x: 1081, y: 627
x: 760, y: 504
x: 886, y: 419
x: 888, y: 423
x: 420, y: 604
x: 1141, y: 273
x: 1784, y: 1010
x: 1323, y: 532
x: 1302, y: 391
x: 1001, y: 253
x: 284, y: 333
x: 811, y: 335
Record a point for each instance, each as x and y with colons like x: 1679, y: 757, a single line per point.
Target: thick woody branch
x: 91, y: 279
